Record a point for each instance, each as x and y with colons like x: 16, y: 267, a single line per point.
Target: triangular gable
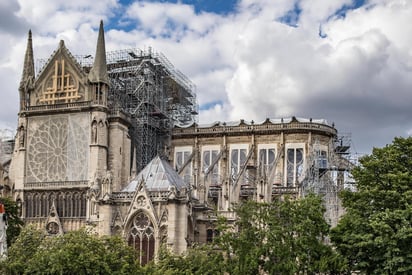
x: 141, y: 202
x: 61, y: 80
x: 53, y: 224
x: 118, y: 219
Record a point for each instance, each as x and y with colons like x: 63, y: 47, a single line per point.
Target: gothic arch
x: 141, y: 235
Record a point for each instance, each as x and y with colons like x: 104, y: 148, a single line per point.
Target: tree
x: 199, y: 260
x: 375, y: 234
x: 14, y: 223
x: 76, y: 252
x: 22, y: 251
x: 286, y: 236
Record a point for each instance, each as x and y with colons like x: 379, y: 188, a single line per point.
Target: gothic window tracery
x: 141, y: 237
x: 57, y: 150
x: 69, y: 204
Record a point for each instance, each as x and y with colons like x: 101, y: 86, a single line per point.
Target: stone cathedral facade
x: 73, y: 163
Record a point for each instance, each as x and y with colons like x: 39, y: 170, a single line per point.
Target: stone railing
x: 266, y: 127
x: 126, y: 196
x: 279, y: 190
x: 56, y: 184
x: 71, y: 105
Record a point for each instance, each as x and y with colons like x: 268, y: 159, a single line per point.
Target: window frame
x: 239, y: 146
x: 215, y: 173
x: 187, y: 172
x: 296, y: 174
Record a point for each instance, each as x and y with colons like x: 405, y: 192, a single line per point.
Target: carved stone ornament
x: 141, y: 201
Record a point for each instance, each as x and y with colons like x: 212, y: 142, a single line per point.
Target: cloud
x: 359, y: 76
x: 250, y: 63
x: 9, y: 21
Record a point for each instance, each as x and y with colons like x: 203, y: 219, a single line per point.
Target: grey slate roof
x: 158, y: 175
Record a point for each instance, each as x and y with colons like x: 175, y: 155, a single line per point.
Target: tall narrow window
x: 29, y: 205
x: 294, y: 165
x: 267, y: 157
x: 60, y: 204
x: 211, y: 165
x: 83, y: 205
x: 141, y: 238
x: 238, y: 157
x: 182, y: 161
x: 322, y: 159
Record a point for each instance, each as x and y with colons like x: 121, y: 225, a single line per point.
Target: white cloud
x: 246, y: 64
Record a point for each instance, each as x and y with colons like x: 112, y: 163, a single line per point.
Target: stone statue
x: 94, y: 132
x: 22, y: 135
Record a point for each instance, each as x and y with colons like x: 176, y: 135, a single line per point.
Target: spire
x: 134, y: 170
x: 27, y: 79
x: 98, y: 73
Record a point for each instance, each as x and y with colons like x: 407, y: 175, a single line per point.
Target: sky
x: 346, y: 61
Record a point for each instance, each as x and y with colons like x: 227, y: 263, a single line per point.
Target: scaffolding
x: 6, y: 145
x: 327, y: 174
x: 145, y: 85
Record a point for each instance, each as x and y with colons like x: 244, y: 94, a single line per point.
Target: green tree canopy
x: 199, y: 260
x: 286, y: 236
x: 375, y: 234
x: 14, y: 223
x: 76, y: 252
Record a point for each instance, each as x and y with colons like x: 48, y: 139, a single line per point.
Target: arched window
x: 29, y: 206
x: 67, y: 205
x: 76, y: 205
x: 45, y: 205
x: 83, y: 205
x: 60, y: 204
x: 141, y: 238
x: 36, y: 205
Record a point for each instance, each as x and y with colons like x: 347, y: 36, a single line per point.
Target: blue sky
x: 349, y: 62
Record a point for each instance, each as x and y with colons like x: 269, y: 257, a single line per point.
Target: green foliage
x: 283, y: 237
x: 14, y: 223
x: 375, y: 235
x: 77, y: 252
x: 201, y: 260
x: 22, y: 251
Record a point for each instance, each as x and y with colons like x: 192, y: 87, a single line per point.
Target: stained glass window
x: 141, y: 238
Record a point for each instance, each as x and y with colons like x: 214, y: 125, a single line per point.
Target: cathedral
x: 112, y: 143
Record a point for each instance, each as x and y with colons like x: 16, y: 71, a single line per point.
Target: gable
x: 61, y: 80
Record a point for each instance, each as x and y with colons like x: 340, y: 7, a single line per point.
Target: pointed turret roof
x: 98, y: 73
x: 158, y: 175
x: 28, y: 66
